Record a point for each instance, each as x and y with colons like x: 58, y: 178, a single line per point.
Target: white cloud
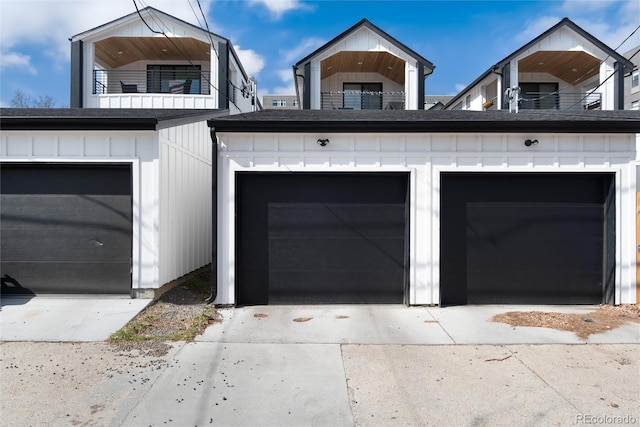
x: 277, y: 8
x: 252, y: 62
x: 50, y: 24
x: 285, y: 74
x: 459, y: 87
x: 18, y: 60
x: 610, y: 21
x: 301, y: 50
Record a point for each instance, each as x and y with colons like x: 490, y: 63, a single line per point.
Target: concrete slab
x: 327, y: 324
x: 248, y: 384
x: 491, y: 385
x: 472, y: 324
x: 60, y: 319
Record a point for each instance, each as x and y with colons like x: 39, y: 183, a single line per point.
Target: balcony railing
x: 561, y: 101
x: 362, y: 100
x: 168, y: 82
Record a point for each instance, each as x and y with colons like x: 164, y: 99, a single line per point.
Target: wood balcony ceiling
x: 571, y: 66
x: 118, y: 51
x: 383, y: 63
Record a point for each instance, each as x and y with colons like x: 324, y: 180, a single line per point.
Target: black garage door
x: 65, y: 228
x: 309, y: 238
x: 527, y: 238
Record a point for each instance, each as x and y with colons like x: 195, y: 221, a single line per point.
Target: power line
x: 160, y: 24
x: 605, y: 80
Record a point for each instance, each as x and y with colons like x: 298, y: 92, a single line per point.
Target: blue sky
x: 462, y: 38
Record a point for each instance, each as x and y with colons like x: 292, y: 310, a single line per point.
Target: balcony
x: 560, y: 101
x: 362, y: 100
x: 190, y: 82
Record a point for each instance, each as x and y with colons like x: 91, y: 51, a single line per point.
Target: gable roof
x: 365, y: 23
x: 430, y: 121
x: 108, y: 119
x: 136, y: 15
x: 153, y: 11
x: 565, y: 22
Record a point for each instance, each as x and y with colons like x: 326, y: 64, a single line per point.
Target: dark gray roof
x: 564, y: 22
x: 394, y: 121
x: 100, y: 118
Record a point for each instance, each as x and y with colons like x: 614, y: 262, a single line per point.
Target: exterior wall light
x: 530, y: 142
x: 323, y: 142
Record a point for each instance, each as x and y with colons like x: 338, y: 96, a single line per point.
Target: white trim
x: 620, y: 208
x: 134, y: 165
x: 227, y: 224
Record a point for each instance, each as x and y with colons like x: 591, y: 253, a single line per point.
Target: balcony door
x: 362, y: 96
x: 178, y: 79
x: 539, y: 96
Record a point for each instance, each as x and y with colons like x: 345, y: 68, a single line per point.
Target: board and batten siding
x: 185, y: 200
x: 366, y: 40
x: 171, y: 180
x: 425, y: 156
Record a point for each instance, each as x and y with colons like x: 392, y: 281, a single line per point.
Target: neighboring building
x: 154, y: 60
x: 104, y: 201
x: 565, y: 68
x: 362, y: 68
x: 436, y: 102
x: 280, y: 102
x: 632, y: 82
x: 426, y: 207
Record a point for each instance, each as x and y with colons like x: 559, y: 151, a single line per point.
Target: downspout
x: 214, y: 216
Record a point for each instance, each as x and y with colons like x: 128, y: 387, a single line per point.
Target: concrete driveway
x: 333, y: 366
x: 65, y: 318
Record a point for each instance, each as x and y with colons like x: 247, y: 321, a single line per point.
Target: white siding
x: 425, y: 157
x: 367, y: 41
x: 138, y: 149
x: 171, y: 189
x: 185, y: 200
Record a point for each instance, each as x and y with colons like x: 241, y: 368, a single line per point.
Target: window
x: 279, y: 103
x: 467, y: 102
x: 294, y: 102
x: 362, y: 96
x: 173, y: 79
x: 635, y: 76
x: 635, y: 105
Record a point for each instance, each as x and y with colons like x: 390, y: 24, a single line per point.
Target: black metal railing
x: 561, y: 101
x: 190, y: 82
x: 362, y: 100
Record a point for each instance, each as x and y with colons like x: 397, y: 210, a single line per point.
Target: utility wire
x: 558, y: 92
x: 603, y: 82
x: 160, y: 24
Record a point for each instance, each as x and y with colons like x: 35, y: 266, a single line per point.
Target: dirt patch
x: 605, y: 318
x: 179, y: 314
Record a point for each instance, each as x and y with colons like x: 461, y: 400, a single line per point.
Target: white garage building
x: 426, y: 207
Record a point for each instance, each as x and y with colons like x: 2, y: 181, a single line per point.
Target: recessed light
x: 164, y: 50
x: 120, y: 52
x: 359, y: 62
x: 575, y: 70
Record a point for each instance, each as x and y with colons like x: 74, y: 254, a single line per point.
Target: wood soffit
x: 118, y: 51
x: 383, y: 63
x: 571, y: 66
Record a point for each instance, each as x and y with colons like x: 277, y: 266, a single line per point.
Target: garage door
x: 65, y: 229
x: 321, y: 238
x: 527, y: 238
